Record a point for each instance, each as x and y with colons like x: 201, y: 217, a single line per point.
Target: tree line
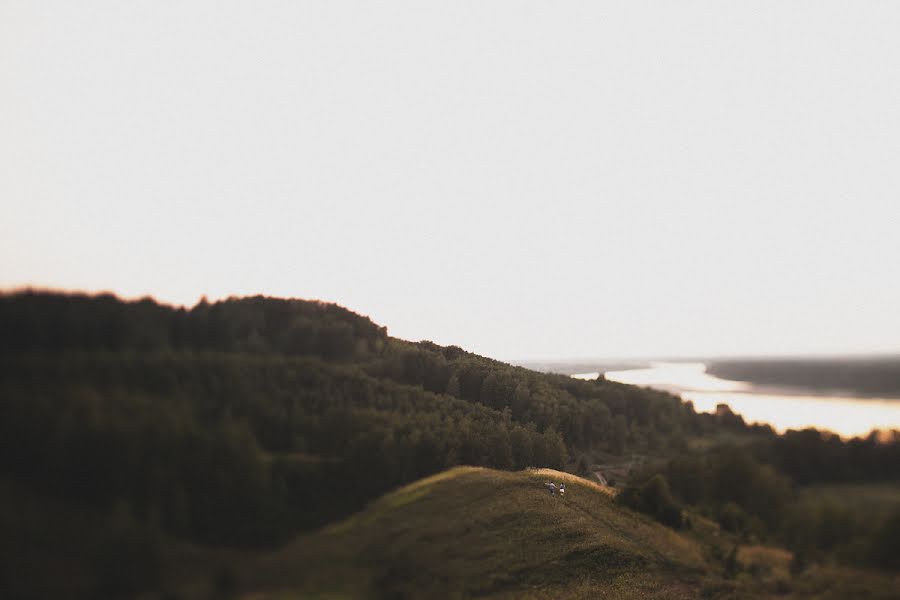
x: 756, y: 492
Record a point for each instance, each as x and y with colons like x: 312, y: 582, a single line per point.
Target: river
x: 782, y: 409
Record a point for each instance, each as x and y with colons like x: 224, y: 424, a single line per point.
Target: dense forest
x: 868, y: 376
x: 213, y: 424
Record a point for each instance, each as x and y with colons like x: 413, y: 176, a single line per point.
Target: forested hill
x: 47, y: 322
x: 193, y: 417
x: 865, y: 375
x: 127, y: 428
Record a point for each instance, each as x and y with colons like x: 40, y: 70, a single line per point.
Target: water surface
x: 845, y: 415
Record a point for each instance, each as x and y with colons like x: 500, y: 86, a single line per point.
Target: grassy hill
x: 472, y: 532
x: 475, y: 532
x: 468, y: 532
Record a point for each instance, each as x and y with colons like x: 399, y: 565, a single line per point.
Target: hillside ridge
x: 472, y: 531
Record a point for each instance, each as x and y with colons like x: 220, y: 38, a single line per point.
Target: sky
x: 528, y: 180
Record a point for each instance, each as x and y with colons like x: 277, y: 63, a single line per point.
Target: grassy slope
x: 476, y: 532
x: 464, y: 533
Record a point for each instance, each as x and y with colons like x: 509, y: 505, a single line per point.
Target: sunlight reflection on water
x: 845, y: 415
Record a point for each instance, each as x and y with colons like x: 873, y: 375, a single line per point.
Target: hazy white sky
x: 524, y: 179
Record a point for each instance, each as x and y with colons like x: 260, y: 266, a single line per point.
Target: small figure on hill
x: 552, y: 489
x: 562, y: 489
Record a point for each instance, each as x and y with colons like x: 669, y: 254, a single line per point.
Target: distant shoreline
x: 865, y: 378
x: 872, y: 377
x: 791, y: 390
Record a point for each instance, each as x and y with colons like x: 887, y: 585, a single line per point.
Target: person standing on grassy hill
x: 552, y: 489
x: 562, y: 489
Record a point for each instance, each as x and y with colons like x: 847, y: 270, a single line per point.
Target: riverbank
x: 780, y: 407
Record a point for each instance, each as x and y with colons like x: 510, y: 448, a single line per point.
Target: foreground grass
x: 475, y: 532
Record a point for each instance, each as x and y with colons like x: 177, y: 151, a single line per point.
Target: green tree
x: 618, y: 435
